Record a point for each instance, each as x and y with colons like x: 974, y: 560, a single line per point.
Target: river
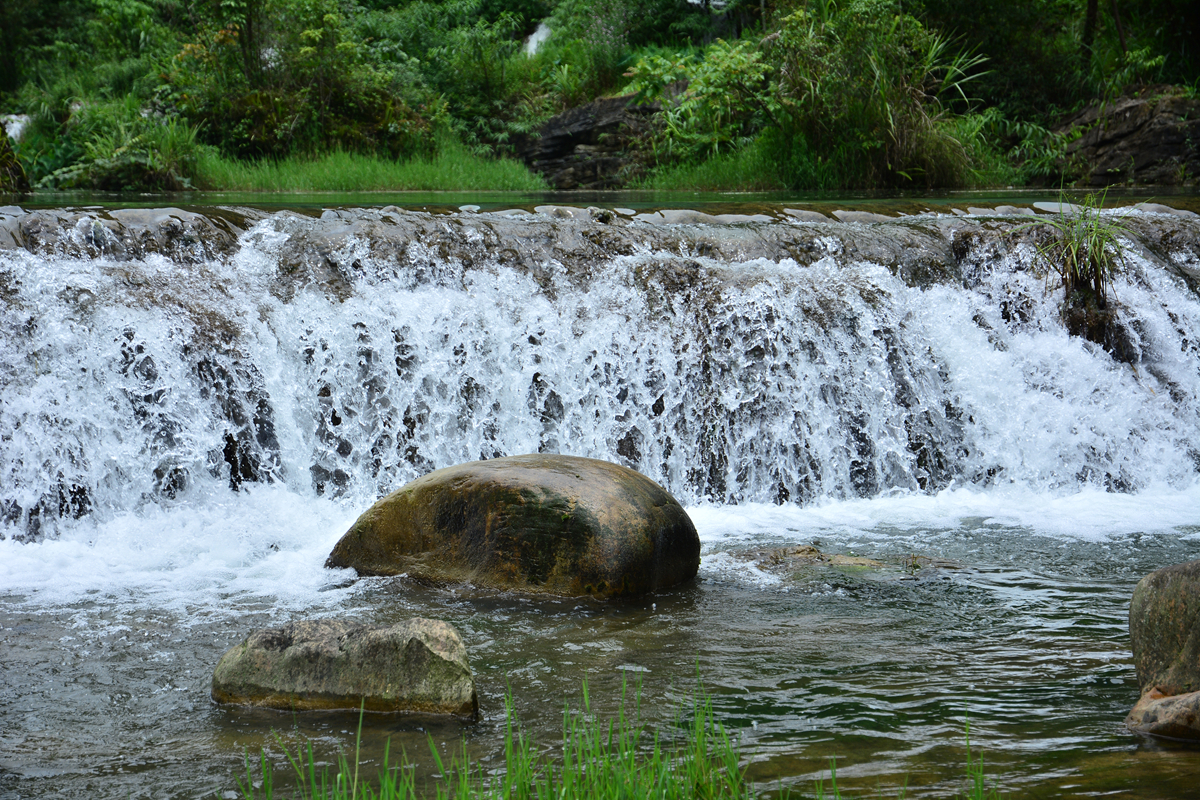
x: 198, y: 402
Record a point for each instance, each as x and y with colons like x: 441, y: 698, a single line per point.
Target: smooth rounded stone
x: 1057, y: 208
x: 683, y: 216
x: 804, y: 215
x: 1171, y: 716
x: 468, y: 209
x: 1013, y: 211
x: 861, y: 216
x: 535, y: 523
x: 625, y: 212
x: 1164, y: 629
x: 418, y: 665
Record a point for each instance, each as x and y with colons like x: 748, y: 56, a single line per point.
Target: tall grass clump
x: 617, y: 759
x: 614, y: 759
x: 1083, y: 249
x: 454, y: 167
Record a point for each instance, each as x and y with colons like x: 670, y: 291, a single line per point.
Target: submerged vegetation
x: 799, y: 94
x: 617, y: 759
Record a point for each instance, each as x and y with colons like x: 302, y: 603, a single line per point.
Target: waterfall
x: 159, y: 357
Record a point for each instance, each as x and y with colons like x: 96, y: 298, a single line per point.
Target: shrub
x: 299, y: 83
x: 860, y: 89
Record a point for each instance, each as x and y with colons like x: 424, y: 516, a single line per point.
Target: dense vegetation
x: 171, y: 94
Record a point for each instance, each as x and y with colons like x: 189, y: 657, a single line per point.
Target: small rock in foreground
x: 418, y: 665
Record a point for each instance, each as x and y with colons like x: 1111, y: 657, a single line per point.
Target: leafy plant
x: 1084, y: 251
x: 12, y: 175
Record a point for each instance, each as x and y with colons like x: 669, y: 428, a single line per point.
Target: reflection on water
x: 879, y: 668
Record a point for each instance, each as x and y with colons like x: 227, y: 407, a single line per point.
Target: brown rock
x: 534, y: 523
x: 419, y: 665
x: 1172, y: 716
x: 1164, y: 629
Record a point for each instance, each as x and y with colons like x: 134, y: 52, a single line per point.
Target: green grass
x: 453, y: 168
x: 1084, y: 249
x: 601, y: 760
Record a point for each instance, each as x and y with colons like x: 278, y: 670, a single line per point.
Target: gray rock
x: 861, y: 216
x: 418, y: 665
x: 1164, y: 631
x: 1159, y: 208
x: 536, y: 523
x: 805, y: 215
x: 1052, y: 207
x: 590, y: 146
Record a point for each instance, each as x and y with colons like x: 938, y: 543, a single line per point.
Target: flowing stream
x: 196, y: 404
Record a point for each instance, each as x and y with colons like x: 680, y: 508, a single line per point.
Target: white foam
x: 262, y: 546
x: 1090, y: 515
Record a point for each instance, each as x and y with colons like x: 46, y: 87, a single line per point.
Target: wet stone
x: 417, y: 665
x: 543, y: 524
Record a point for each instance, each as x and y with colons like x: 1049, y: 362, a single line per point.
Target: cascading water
x: 133, y: 380
x: 196, y: 404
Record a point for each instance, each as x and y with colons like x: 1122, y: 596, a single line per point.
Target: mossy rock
x: 418, y: 665
x: 549, y: 524
x: 1164, y: 629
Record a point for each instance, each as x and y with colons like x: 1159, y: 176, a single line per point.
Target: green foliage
x: 728, y: 98
x: 122, y: 148
x: 859, y: 88
x: 1084, y: 250
x: 12, y: 175
x: 820, y: 93
x: 617, y: 759
x: 299, y: 84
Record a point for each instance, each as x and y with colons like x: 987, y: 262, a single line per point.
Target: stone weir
x: 785, y: 355
x: 331, y: 250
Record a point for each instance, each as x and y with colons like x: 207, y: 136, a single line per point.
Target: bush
x: 296, y: 80
x: 856, y: 93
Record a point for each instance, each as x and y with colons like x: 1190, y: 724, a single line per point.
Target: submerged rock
x: 418, y: 665
x: 533, y: 523
x: 1164, y: 630
x: 806, y: 555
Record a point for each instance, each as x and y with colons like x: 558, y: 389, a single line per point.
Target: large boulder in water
x: 534, y: 523
x: 1164, y: 630
x: 418, y: 665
